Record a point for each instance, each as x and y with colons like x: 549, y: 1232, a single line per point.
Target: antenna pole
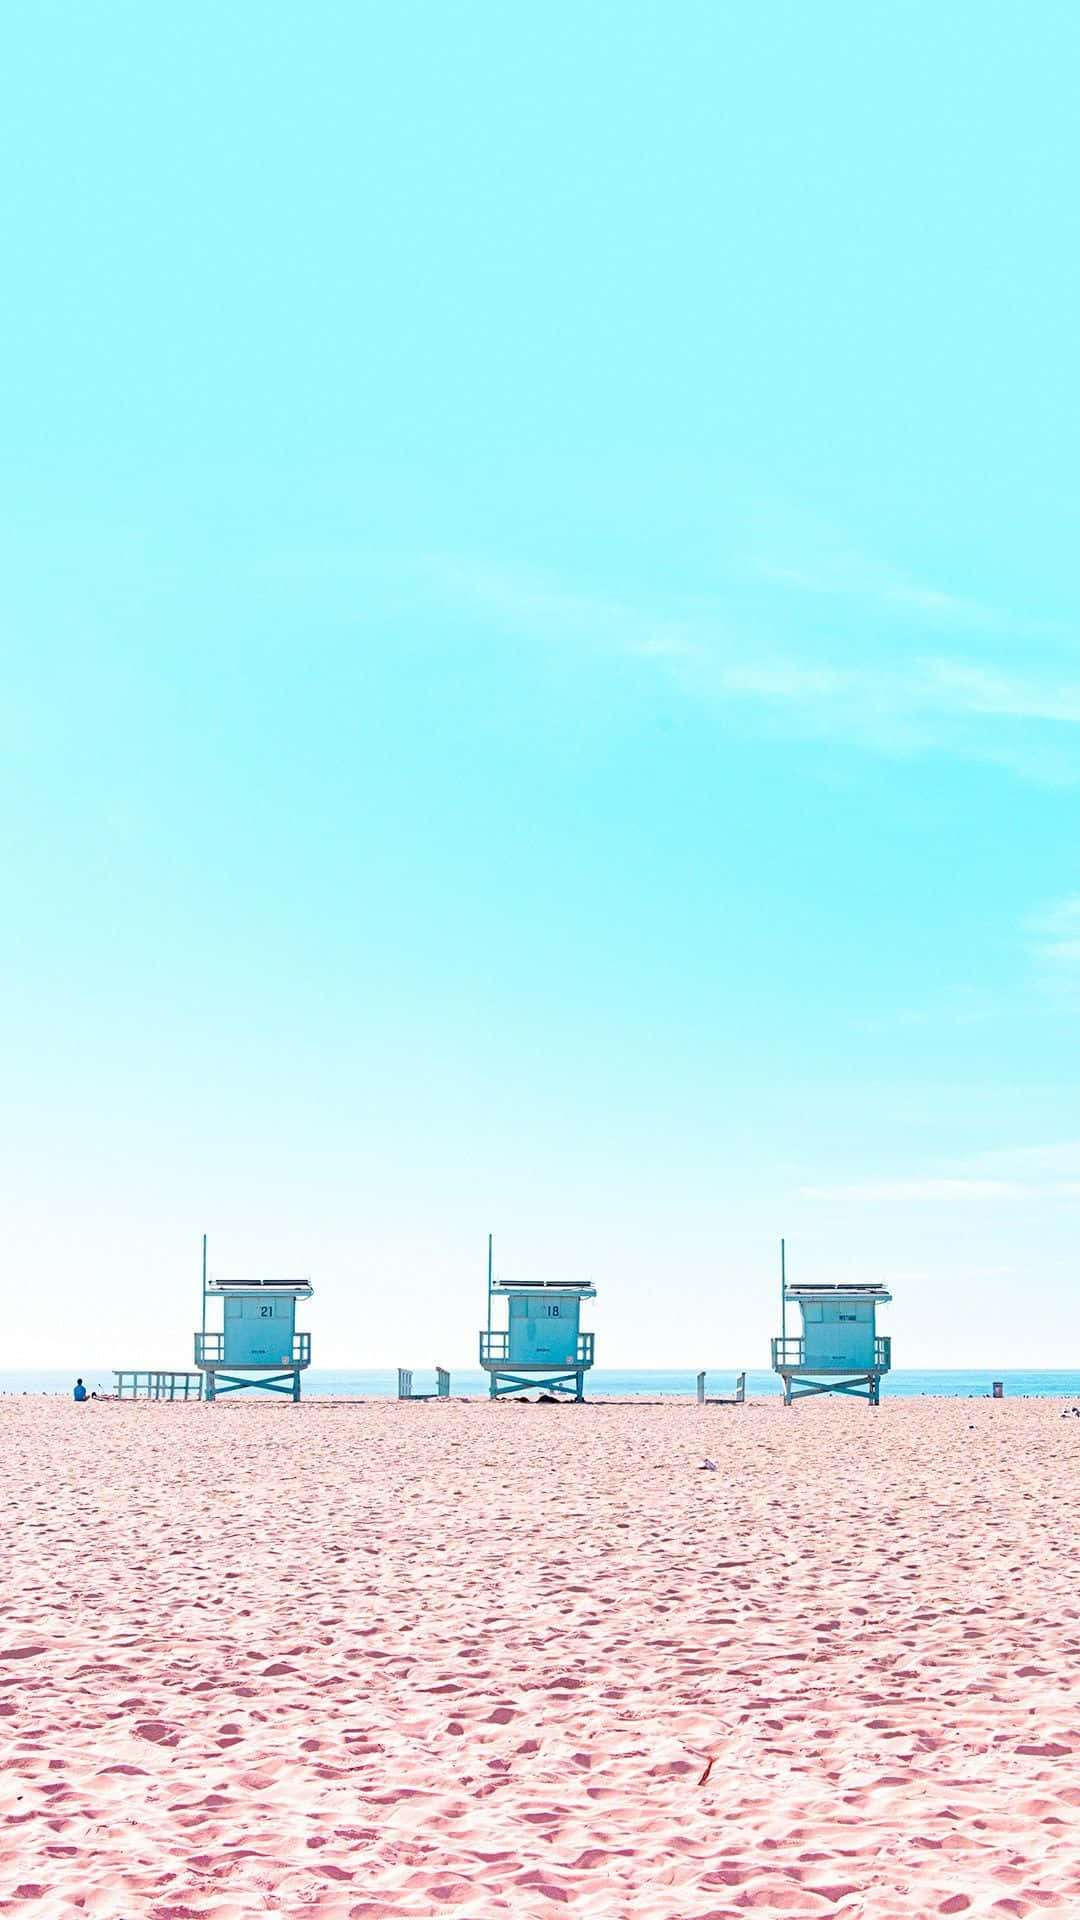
x: 783, y: 1294
x: 489, y: 1284
x: 204, y: 1283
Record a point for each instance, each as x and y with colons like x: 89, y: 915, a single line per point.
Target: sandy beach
x: 386, y: 1659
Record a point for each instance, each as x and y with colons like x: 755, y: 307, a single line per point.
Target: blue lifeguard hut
x: 839, y: 1349
x: 256, y: 1343
x: 541, y: 1345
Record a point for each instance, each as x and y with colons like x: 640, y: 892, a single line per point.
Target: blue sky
x: 540, y: 670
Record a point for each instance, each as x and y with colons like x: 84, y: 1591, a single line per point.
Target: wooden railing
x: 210, y: 1351
x: 791, y: 1352
x: 156, y: 1384
x: 495, y: 1346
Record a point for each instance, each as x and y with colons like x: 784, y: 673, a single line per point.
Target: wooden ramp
x: 405, y: 1385
x: 722, y: 1399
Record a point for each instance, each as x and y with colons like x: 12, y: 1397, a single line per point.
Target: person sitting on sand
x: 80, y: 1390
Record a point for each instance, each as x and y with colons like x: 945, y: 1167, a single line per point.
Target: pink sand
x: 397, y: 1659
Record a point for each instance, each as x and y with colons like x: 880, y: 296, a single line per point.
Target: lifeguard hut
x: 256, y: 1343
x: 541, y: 1344
x: 839, y: 1349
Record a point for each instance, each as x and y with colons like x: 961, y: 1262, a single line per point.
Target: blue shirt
x: 80, y: 1393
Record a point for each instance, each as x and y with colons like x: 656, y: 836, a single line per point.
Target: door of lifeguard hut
x: 544, y: 1332
x: 838, y: 1333
x: 259, y: 1331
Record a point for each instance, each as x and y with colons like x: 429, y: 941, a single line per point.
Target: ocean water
x: 642, y: 1383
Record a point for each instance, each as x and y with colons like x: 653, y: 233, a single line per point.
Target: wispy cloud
x: 1053, y: 943
x: 1054, y: 1162
x: 1044, y: 1172
x: 913, y: 693
x: 978, y: 688
x: 943, y: 1188
x: 890, y: 702
x: 852, y: 576
x: 801, y: 553
x: 1026, y: 722
x: 1055, y: 936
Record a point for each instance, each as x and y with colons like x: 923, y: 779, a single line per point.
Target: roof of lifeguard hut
x: 874, y: 1290
x: 582, y: 1289
x: 299, y: 1289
